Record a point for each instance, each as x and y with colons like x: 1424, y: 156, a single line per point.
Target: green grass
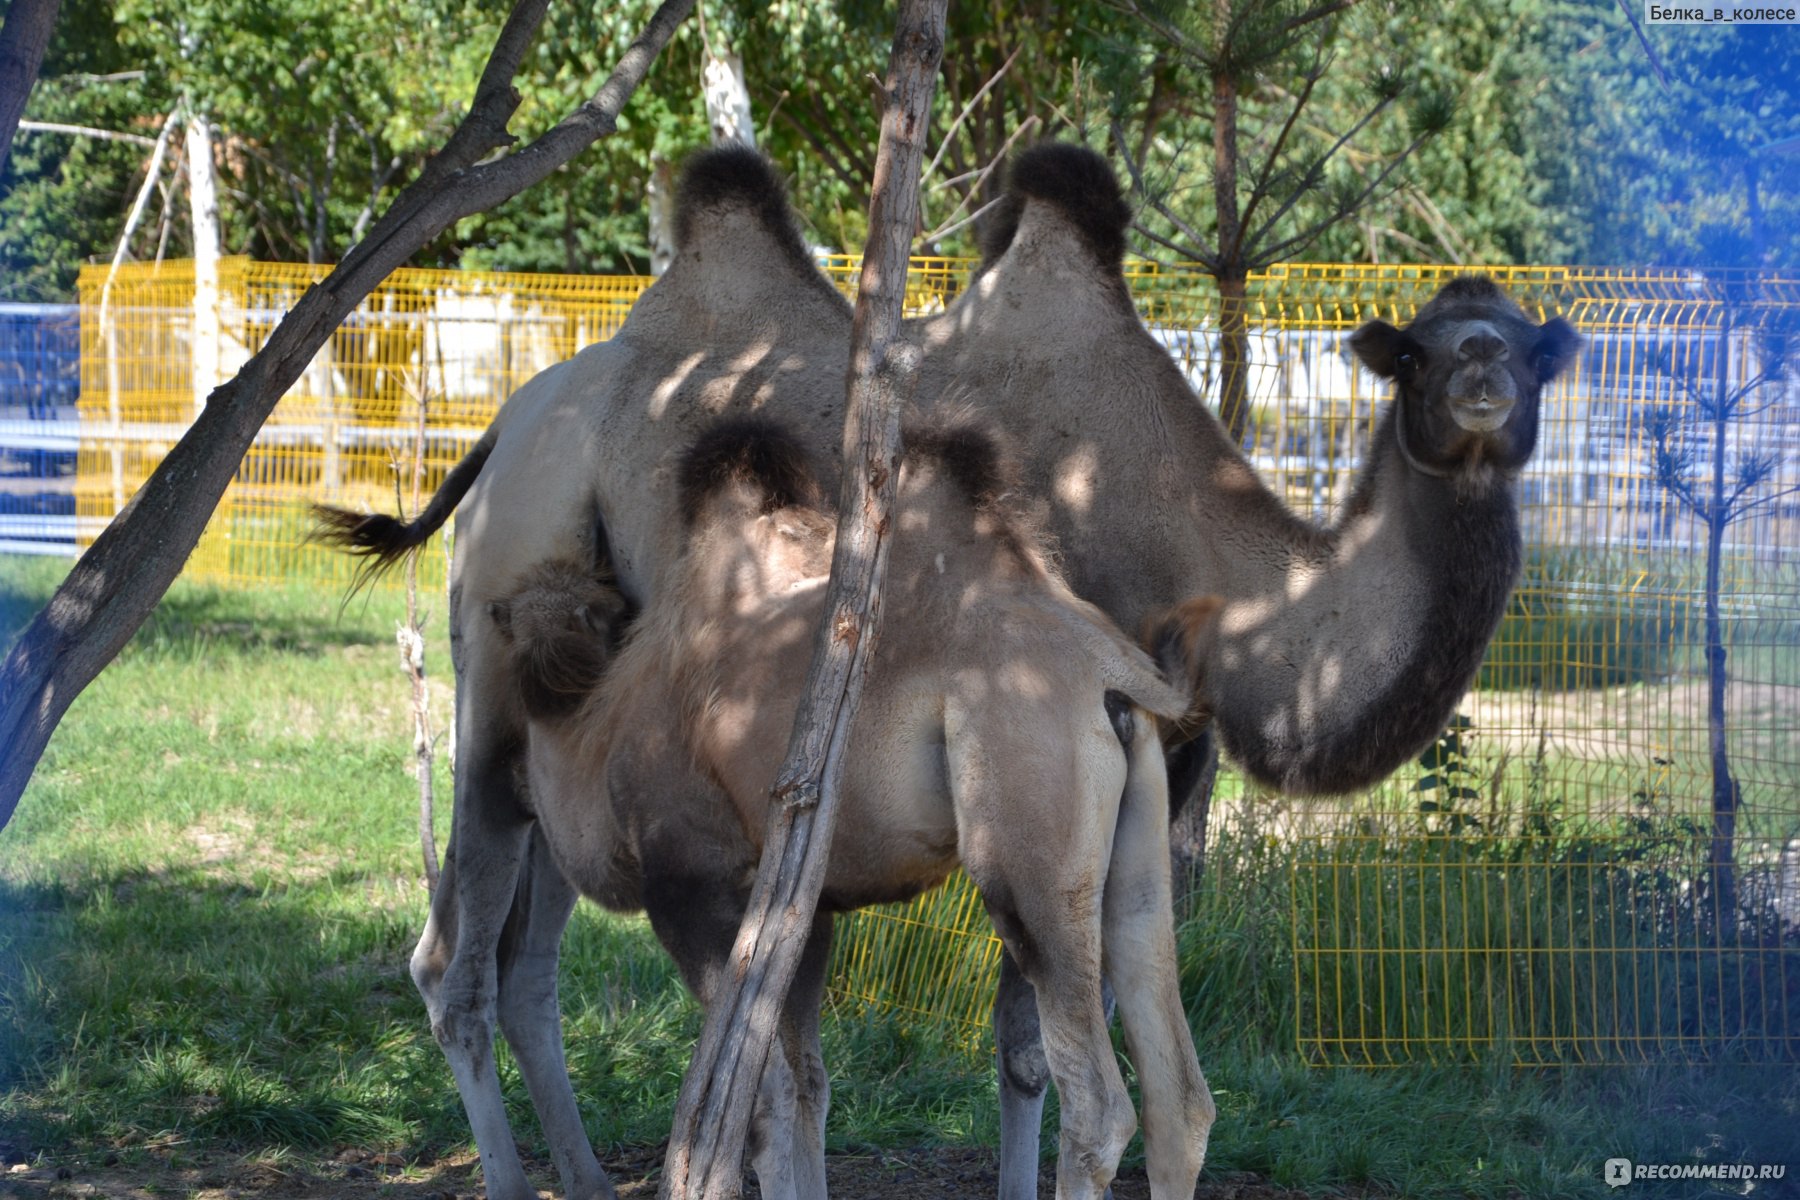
x: 210, y: 889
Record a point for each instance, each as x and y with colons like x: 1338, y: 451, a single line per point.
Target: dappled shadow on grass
x: 194, y: 617
x: 146, y: 1005
x: 193, y: 620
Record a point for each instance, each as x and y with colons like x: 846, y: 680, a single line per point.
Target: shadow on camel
x: 1003, y: 726
x: 1337, y: 654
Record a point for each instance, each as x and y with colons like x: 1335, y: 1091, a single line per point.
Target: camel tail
x: 1125, y: 668
x: 382, y: 541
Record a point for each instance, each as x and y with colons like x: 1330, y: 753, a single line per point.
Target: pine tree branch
x: 1259, y: 190
x: 1196, y: 248
x: 1310, y: 181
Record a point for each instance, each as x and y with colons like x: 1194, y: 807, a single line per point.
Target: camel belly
x: 895, y: 834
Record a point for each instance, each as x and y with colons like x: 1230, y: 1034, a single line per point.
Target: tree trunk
x: 712, y: 1115
x: 727, y: 100
x: 662, y: 214
x: 1724, y: 787
x: 23, y: 40
x: 1234, y: 342
x: 412, y: 660
x: 119, y: 580
x: 203, y: 204
x: 1234, y: 357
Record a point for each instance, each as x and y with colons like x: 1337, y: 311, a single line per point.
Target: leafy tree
x: 1670, y: 155
x: 64, y: 198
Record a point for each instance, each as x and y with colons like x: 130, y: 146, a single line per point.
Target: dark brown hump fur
x: 970, y: 451
x: 752, y: 450
x: 737, y: 176
x: 1079, y: 184
x: 562, y: 625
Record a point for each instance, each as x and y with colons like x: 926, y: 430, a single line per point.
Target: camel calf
x: 1005, y: 725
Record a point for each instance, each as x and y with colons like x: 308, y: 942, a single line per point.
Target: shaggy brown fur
x: 563, y: 623
x: 751, y: 450
x: 1079, y: 184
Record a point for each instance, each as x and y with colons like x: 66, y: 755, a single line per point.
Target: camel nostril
x: 1486, y: 347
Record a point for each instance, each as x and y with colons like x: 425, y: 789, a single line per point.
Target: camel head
x: 561, y: 625
x: 1468, y: 372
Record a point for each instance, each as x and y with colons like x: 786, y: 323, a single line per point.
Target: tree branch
x: 23, y: 40
x: 1260, y: 190
x: 1196, y: 250
x: 950, y: 133
x: 981, y: 177
x: 118, y: 581
x: 712, y: 1115
x: 1310, y: 180
x: 836, y: 165
x: 87, y: 131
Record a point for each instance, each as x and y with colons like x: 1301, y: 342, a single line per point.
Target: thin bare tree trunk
x: 203, y: 205
x: 412, y: 660
x: 1234, y: 341
x: 712, y: 1116
x: 23, y: 40
x: 126, y: 571
x: 1234, y: 357
x: 1718, y: 514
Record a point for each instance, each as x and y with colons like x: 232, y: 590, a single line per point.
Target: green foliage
x: 1444, y: 790
x: 64, y: 200
x: 1673, y: 170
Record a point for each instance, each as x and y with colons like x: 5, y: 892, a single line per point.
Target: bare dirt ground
x: 940, y: 1174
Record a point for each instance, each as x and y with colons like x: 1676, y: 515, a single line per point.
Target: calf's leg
x: 1139, y: 942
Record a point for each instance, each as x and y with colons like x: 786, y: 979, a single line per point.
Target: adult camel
x: 1338, y: 654
x: 1005, y: 724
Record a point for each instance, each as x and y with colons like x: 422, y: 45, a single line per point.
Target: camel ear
x: 1387, y: 351
x: 1557, y: 346
x: 501, y: 612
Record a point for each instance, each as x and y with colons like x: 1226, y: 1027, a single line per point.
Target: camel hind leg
x: 1024, y: 1074
x: 531, y: 1017
x: 1139, y: 944
x: 455, y: 965
x: 1036, y: 838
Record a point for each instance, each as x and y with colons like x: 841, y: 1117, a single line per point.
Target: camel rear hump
x: 760, y: 458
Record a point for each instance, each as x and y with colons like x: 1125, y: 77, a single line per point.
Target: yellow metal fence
x: 1539, y: 890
